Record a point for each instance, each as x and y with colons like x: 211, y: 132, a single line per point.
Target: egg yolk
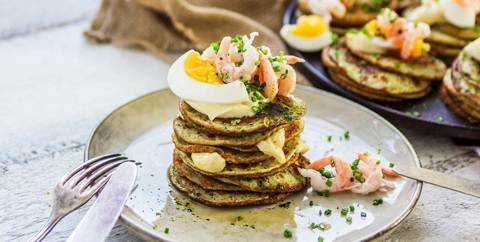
x: 201, y: 70
x: 309, y: 26
x: 419, y: 47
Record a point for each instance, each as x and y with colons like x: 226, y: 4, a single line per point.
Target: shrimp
x: 268, y: 77
x: 412, y: 34
x: 228, y: 55
x: 373, y: 176
x: 291, y: 59
x: 341, y: 181
x: 287, y: 79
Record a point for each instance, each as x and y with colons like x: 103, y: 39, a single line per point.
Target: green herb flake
x: 287, y: 234
x: 312, y: 226
x: 344, y: 211
x: 352, y: 208
x: 413, y: 114
x: 335, y: 38
x: 378, y: 162
x: 377, y: 202
x: 349, y: 219
x: 310, y: 203
x: 329, y: 138
x: 215, y: 46
x: 440, y: 119
x: 235, y: 121
x: 285, y: 205
x: 320, y: 239
x: 391, y: 165
x: 166, y: 230
x: 329, y: 183
x: 346, y: 135
x: 155, y: 226
x: 328, y: 212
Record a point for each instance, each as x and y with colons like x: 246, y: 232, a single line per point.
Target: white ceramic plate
x: 142, y: 130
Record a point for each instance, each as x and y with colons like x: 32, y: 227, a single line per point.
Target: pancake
x: 469, y: 68
x: 222, y: 198
x: 203, y: 181
x: 264, y: 168
x: 230, y: 155
x: 360, y: 90
x: 459, y: 99
x: 437, y: 37
x: 283, y: 111
x: 445, y: 51
x: 288, y: 180
x: 426, y: 67
x: 466, y: 34
x: 193, y: 135
x: 338, y: 59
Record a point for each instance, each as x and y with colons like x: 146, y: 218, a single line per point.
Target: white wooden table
x: 55, y: 87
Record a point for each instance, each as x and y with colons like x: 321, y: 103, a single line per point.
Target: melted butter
x: 273, y: 146
x: 223, y: 110
x: 210, y: 162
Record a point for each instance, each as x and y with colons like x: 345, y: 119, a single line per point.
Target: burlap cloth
x: 163, y: 27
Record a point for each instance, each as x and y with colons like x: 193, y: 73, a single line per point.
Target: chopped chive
x: 329, y: 138
x: 346, y: 135
x: 310, y: 203
x: 378, y: 162
x: 285, y: 205
x: 349, y: 219
x: 166, y: 230
x: 344, y: 211
x: 352, y: 208
x: 377, y: 202
x: 312, y: 226
x: 328, y: 212
x: 320, y: 239
x: 329, y: 183
x: 287, y: 234
x: 391, y: 165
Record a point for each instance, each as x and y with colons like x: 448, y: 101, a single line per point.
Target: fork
x: 77, y: 187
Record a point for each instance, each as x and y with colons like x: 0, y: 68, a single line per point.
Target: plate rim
x: 144, y: 233
x: 314, y: 73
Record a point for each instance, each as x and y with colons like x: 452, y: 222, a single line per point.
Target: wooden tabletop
x: 55, y: 87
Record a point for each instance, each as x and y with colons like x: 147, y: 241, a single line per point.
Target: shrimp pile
x: 363, y: 176
x: 236, y: 59
x: 406, y: 36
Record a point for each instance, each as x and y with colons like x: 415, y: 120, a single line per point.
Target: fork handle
x: 52, y: 221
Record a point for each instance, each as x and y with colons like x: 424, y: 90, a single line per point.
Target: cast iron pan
x: 428, y: 113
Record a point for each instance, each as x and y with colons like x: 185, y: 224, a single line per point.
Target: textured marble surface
x: 55, y: 87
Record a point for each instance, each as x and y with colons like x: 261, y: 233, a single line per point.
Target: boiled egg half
x: 192, y: 78
x: 460, y: 15
x: 310, y: 33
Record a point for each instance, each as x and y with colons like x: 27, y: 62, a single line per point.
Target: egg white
x: 457, y: 15
x: 188, y: 88
x: 473, y: 49
x: 310, y: 44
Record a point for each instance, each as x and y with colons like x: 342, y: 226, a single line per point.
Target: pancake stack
x: 357, y: 15
x: 461, y: 87
x: 381, y: 77
x: 448, y: 41
x: 250, y: 177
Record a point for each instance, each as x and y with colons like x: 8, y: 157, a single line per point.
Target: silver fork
x: 76, y: 188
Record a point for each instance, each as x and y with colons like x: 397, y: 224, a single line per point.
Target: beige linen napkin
x: 163, y: 26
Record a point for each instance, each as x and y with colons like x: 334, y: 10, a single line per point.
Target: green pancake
x: 437, y: 37
x: 469, y: 68
x: 222, y: 198
x: 283, y: 111
x: 193, y: 135
x: 339, y: 59
x: 425, y: 67
x: 463, y: 33
x: 288, y: 180
x: 264, y: 168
